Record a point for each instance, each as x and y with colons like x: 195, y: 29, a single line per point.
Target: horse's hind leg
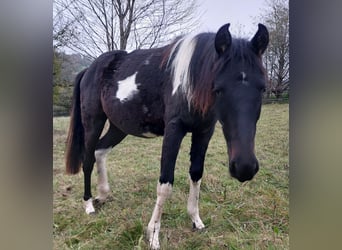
x: 112, y: 137
x: 92, y: 132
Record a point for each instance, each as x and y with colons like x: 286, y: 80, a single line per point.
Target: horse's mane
x: 204, y: 65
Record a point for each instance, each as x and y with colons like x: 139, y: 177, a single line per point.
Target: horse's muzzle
x: 243, y: 171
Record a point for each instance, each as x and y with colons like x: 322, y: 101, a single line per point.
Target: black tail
x: 75, y: 141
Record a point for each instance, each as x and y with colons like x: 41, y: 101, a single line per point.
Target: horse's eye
x: 218, y: 92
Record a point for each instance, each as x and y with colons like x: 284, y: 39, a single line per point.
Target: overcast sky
x: 241, y: 14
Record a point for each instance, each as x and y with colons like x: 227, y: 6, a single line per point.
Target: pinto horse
x: 186, y: 86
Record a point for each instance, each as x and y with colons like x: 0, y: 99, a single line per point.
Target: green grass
x: 252, y: 215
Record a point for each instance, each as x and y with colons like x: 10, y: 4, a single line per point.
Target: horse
x: 183, y: 87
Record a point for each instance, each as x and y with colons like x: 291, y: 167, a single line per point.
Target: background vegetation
x: 65, y: 69
x: 87, y: 29
x: 252, y: 215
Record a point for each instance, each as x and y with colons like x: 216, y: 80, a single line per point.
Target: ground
x: 252, y: 215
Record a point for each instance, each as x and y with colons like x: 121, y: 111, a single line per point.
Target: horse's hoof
x: 200, y: 228
x: 152, y: 242
x: 154, y: 245
x: 92, y: 212
x: 88, y: 206
x: 99, y: 201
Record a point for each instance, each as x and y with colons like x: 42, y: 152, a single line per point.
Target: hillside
x: 66, y: 67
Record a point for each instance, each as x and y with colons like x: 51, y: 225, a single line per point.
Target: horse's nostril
x: 243, y: 171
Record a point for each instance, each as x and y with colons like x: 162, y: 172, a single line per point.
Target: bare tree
x: 63, y: 27
x: 94, y: 27
x: 276, y: 18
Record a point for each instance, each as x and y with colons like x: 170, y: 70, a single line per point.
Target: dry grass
x: 252, y: 215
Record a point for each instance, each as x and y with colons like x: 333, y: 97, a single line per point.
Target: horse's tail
x: 75, y: 140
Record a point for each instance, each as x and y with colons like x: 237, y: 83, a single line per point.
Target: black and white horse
x: 186, y: 86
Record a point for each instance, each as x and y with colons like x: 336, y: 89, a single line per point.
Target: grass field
x: 252, y: 215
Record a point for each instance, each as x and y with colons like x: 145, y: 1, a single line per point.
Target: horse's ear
x: 260, y: 40
x: 223, y: 39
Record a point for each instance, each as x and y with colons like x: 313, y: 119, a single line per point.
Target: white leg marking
x: 102, y: 179
x: 193, y: 210
x: 127, y: 88
x: 181, y: 65
x: 153, y: 228
x: 88, y: 206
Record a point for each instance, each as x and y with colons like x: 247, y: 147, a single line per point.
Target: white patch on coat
x: 88, y: 206
x: 163, y: 192
x: 102, y: 179
x: 127, y: 88
x: 244, y: 76
x: 192, y: 207
x: 149, y: 135
x: 105, y: 129
x: 181, y: 65
x: 145, y: 109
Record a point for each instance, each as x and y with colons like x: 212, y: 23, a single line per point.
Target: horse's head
x: 238, y: 89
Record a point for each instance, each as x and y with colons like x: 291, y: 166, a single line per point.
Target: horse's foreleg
x: 199, y: 147
x: 174, y: 134
x: 163, y: 192
x: 192, y: 207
